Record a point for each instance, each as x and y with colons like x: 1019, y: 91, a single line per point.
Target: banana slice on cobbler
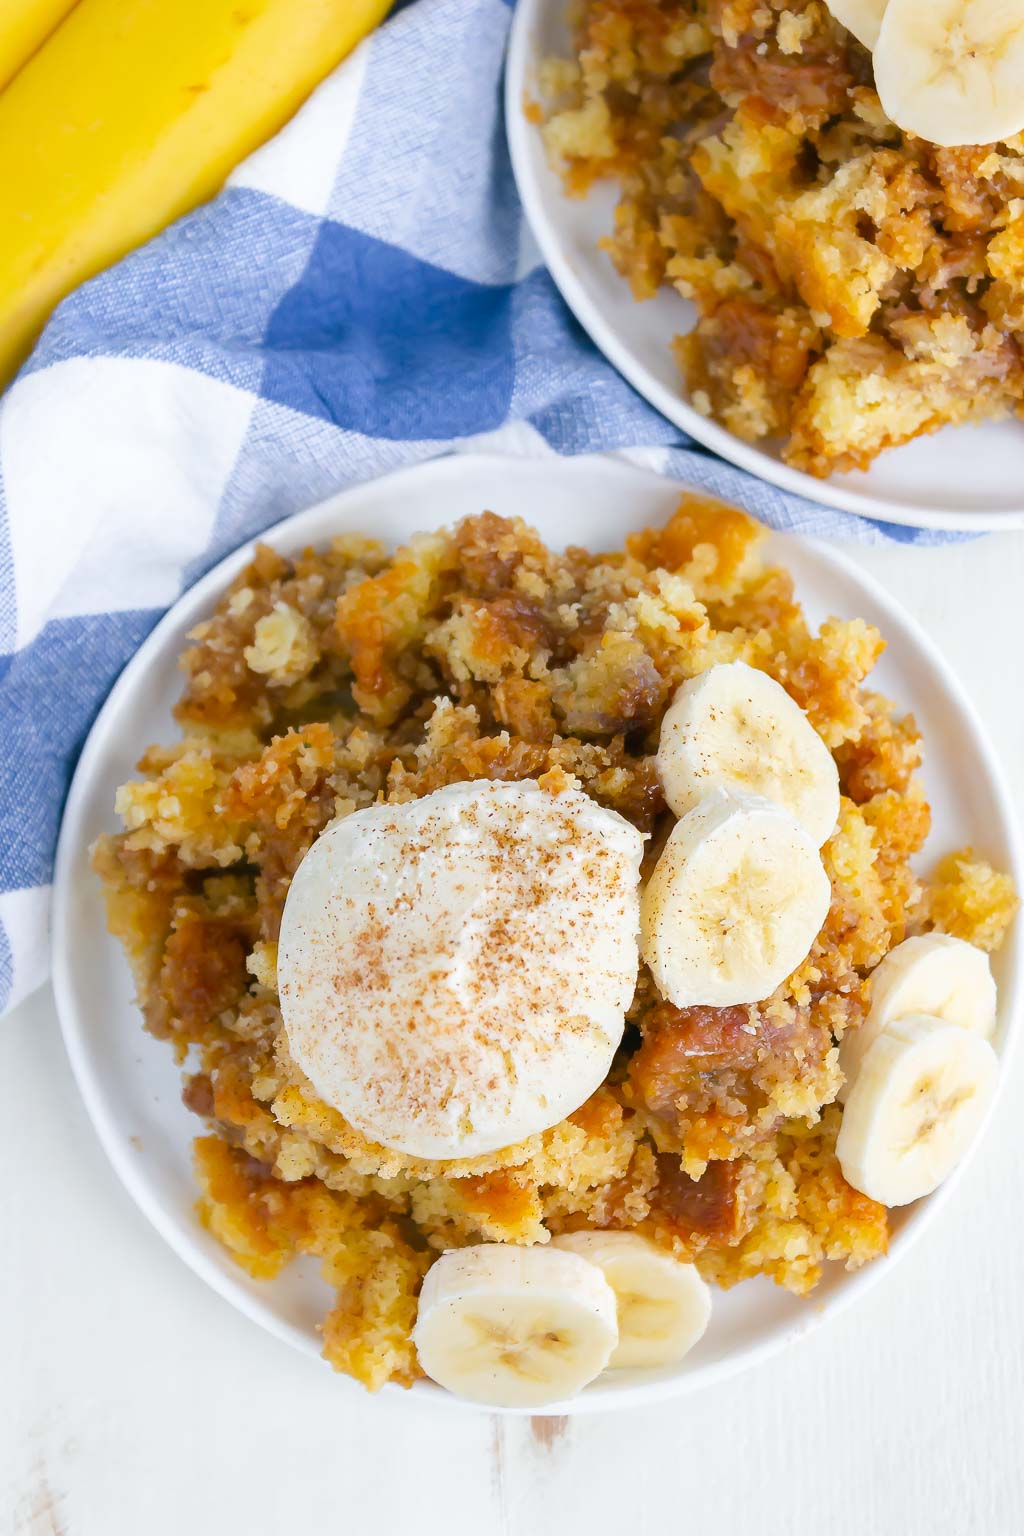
x: 663, y: 1305
x: 933, y: 974
x: 736, y: 728
x: 918, y: 1102
x: 734, y: 904
x: 952, y: 71
x: 515, y: 1327
x: 861, y: 17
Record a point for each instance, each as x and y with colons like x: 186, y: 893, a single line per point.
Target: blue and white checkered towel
x: 363, y: 294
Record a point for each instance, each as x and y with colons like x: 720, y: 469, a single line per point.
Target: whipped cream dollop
x: 454, y: 971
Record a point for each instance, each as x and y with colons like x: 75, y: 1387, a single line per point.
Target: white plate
x: 961, y: 477
x: 129, y: 1082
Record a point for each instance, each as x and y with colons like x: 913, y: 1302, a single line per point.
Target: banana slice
x: 736, y: 728
x: 514, y: 1327
x: 734, y: 904
x: 919, y: 1099
x: 952, y: 71
x: 861, y: 17
x: 663, y: 1304
x: 935, y: 974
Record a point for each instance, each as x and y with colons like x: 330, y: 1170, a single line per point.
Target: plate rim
x: 676, y: 408
x: 130, y: 1170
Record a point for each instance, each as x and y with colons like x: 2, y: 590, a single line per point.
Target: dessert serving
x: 836, y: 188
x: 539, y: 938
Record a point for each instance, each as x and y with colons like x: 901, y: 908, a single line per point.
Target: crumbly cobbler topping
x: 349, y: 676
x: 855, y: 286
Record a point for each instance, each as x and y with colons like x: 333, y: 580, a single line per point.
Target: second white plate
x: 130, y: 1084
x: 959, y: 478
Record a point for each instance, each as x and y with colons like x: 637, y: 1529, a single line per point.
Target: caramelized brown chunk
x: 710, y: 1209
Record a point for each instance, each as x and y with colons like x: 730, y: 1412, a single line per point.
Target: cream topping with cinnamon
x: 454, y: 971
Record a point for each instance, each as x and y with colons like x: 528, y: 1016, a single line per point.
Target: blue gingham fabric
x: 363, y: 294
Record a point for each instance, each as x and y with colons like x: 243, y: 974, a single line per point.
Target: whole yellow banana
x: 133, y: 112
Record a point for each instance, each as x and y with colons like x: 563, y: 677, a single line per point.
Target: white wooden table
x: 134, y: 1402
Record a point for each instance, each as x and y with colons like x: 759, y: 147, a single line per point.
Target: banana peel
x: 24, y: 25
x: 133, y: 112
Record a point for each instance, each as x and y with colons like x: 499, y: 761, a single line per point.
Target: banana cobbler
x: 855, y: 285
x: 351, y: 677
